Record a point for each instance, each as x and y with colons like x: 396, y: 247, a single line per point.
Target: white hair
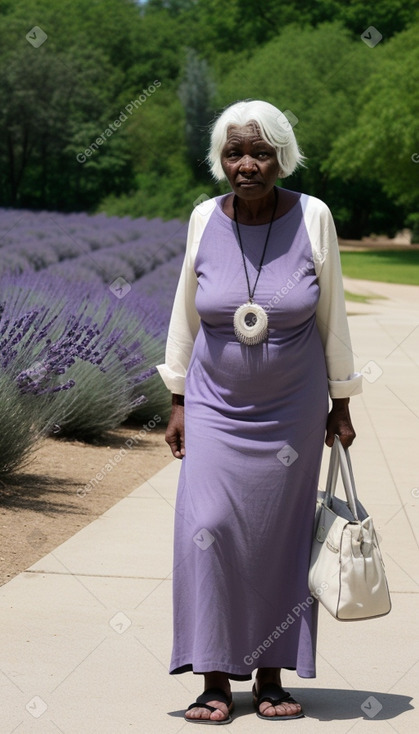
x: 275, y: 129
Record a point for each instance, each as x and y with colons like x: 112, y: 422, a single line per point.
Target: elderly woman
x: 258, y: 341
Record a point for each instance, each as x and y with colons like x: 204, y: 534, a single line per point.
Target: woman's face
x: 249, y: 162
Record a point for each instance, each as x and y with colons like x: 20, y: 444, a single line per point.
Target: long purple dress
x: 255, y: 422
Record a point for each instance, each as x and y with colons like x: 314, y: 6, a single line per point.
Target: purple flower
x: 65, y: 318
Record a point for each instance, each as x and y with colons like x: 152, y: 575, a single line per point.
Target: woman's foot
x: 223, y: 705
x: 288, y: 708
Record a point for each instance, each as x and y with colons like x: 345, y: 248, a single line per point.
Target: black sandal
x: 275, y: 695
x: 212, y: 694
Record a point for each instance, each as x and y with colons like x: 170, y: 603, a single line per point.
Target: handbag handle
x: 340, y: 459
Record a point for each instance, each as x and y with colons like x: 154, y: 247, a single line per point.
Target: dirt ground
x: 47, y: 502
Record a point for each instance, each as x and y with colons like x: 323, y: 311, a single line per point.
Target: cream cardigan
x: 330, y: 314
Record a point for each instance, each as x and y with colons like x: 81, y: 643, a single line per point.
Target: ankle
x: 268, y: 675
x: 217, y: 679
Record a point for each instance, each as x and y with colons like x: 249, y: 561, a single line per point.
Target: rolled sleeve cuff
x: 346, y: 388
x: 174, y: 382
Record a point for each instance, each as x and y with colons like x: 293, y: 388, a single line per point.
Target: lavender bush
x: 30, y: 369
x: 49, y: 239
x: 77, y: 354
x: 74, y: 367
x: 21, y: 426
x: 159, y: 288
x: 123, y: 329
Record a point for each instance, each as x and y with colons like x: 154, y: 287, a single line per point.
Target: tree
x: 196, y: 93
x: 388, y: 16
x: 383, y: 144
x: 317, y: 75
x: 59, y: 97
x: 52, y: 109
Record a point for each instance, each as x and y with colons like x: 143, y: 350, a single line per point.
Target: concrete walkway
x: 86, y: 631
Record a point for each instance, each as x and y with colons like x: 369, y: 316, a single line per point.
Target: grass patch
x: 387, y: 266
x: 356, y: 297
x: 363, y: 299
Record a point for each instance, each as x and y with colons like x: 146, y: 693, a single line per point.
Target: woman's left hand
x: 339, y: 422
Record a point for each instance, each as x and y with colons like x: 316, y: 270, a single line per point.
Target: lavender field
x: 85, y: 303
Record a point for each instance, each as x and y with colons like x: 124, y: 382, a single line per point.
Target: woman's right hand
x: 175, y: 432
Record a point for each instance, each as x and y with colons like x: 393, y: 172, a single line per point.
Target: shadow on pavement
x: 332, y: 704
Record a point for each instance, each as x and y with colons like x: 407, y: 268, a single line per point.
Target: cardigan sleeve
x: 185, y: 321
x: 332, y: 320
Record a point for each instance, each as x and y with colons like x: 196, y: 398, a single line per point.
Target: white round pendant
x: 251, y: 324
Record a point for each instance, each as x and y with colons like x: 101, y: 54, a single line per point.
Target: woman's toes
x: 220, y: 713
x: 201, y: 713
x: 287, y: 709
x: 284, y: 709
x: 197, y: 713
x: 266, y: 709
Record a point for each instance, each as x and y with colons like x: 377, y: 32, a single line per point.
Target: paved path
x: 86, y: 631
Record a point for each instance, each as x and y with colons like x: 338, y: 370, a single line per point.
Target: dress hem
x: 188, y: 668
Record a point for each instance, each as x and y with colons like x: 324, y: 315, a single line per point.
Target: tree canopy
x: 107, y: 105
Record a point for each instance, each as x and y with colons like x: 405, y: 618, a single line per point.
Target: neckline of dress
x: 254, y: 226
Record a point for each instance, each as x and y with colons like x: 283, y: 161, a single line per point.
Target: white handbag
x: 346, y: 567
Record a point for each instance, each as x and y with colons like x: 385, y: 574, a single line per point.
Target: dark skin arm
x: 339, y: 422
x: 175, y: 432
